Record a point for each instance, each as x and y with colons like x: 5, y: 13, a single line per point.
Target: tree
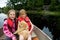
x: 26, y: 4
x: 6, y: 9
x: 1, y: 10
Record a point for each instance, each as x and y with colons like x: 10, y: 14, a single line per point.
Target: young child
x: 24, y: 20
x: 9, y: 26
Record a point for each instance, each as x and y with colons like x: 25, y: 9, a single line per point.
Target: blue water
x: 2, y: 17
x: 46, y: 30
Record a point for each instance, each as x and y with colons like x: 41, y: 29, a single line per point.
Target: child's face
x: 23, y: 15
x: 12, y: 15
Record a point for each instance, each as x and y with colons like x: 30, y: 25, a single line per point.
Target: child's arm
x: 6, y: 30
x: 31, y: 27
x: 18, y: 29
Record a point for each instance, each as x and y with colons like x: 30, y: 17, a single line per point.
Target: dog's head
x: 23, y: 24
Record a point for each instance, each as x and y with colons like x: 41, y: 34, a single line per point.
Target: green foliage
x: 6, y: 9
x: 54, y: 6
x: 51, y: 18
x: 27, y: 4
x: 33, y: 5
x: 1, y: 10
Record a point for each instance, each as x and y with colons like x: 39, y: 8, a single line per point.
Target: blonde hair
x: 22, y: 11
x: 12, y: 10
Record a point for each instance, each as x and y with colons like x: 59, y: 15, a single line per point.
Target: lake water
x: 46, y: 30
x: 2, y: 17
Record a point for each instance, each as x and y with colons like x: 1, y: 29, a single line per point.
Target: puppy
x: 22, y: 29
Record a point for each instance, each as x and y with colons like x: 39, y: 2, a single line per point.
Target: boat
x: 40, y: 35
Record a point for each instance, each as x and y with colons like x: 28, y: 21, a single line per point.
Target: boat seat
x: 34, y: 37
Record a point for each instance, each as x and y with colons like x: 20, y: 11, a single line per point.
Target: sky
x: 3, y: 3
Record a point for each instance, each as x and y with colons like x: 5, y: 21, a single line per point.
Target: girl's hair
x: 12, y: 10
x: 22, y: 10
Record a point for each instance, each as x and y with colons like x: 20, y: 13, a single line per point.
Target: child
x: 9, y: 26
x: 23, y: 17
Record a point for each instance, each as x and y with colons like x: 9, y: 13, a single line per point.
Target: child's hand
x: 14, y: 38
x: 30, y: 32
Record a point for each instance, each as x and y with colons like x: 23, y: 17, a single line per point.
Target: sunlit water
x: 46, y: 30
x: 2, y: 17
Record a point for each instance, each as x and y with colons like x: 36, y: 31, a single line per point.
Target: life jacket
x: 27, y: 20
x: 10, y: 24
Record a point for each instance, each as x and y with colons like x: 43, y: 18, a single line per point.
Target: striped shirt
x: 6, y: 30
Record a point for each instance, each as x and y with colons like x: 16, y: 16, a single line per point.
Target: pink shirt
x: 6, y: 30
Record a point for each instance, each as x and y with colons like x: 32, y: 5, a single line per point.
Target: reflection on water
x: 2, y: 17
x: 46, y: 30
